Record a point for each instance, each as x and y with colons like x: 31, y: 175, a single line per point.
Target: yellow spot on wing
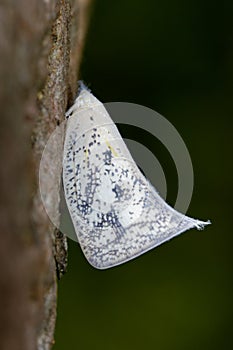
x: 86, y: 153
x: 111, y: 148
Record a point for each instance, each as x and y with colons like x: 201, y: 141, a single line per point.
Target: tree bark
x: 41, y: 44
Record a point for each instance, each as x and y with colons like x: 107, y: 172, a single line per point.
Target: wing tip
x: 200, y: 225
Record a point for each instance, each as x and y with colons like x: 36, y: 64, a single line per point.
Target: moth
x: 117, y: 214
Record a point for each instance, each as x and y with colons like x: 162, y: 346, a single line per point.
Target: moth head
x: 85, y: 98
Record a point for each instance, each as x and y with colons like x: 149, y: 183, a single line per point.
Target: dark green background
x: 177, y: 58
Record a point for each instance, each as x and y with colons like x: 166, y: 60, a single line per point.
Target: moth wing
x: 116, y: 212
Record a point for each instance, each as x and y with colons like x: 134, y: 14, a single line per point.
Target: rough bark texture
x: 41, y: 45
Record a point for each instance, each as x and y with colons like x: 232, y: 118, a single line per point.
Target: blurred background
x: 175, y: 57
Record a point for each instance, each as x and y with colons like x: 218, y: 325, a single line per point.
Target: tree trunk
x: 41, y: 44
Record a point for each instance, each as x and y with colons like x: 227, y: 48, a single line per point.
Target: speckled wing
x: 116, y: 213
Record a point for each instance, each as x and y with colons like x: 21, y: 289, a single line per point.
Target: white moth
x: 116, y: 212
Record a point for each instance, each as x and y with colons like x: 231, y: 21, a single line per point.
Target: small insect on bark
x: 117, y: 214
